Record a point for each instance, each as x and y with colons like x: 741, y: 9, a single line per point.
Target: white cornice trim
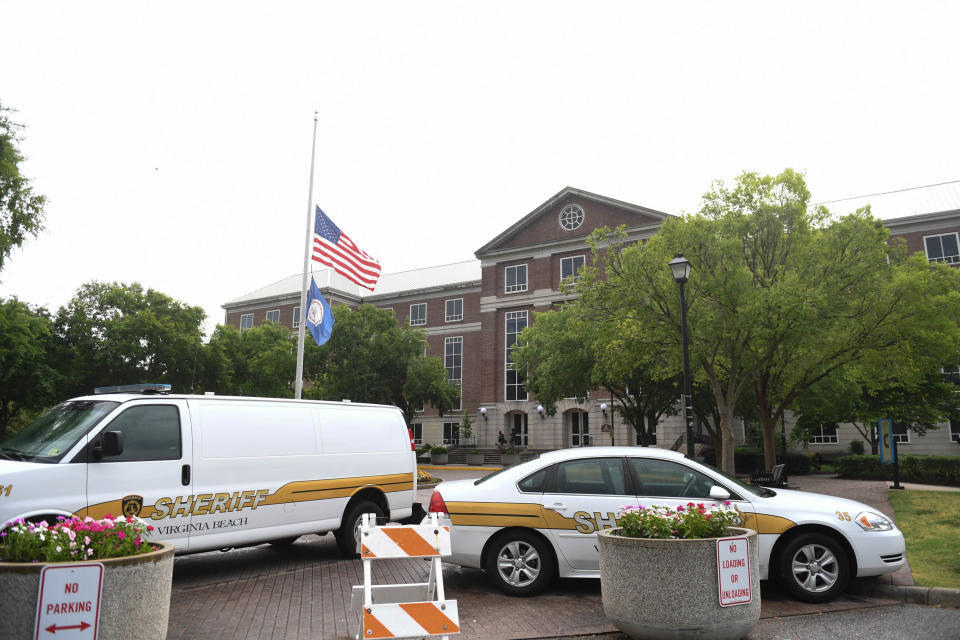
x: 468, y: 327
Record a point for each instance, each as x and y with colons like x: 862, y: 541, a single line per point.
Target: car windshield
x: 757, y: 491
x: 53, y: 434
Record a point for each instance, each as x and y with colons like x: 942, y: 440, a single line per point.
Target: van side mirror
x: 111, y: 444
x: 719, y: 493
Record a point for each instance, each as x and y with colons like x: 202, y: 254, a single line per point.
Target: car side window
x: 150, y: 432
x: 666, y: 479
x: 594, y: 476
x: 535, y: 482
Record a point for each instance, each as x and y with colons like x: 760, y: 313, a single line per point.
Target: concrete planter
x: 475, y: 459
x: 438, y: 458
x: 134, y: 601
x: 668, y: 589
x: 510, y: 459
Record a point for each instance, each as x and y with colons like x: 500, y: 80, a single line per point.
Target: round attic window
x: 571, y: 217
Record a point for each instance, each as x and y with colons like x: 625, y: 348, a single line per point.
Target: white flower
x: 59, y: 549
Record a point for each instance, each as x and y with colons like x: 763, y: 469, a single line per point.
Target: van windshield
x: 53, y: 434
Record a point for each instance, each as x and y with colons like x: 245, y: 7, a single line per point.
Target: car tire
x: 349, y: 529
x: 813, y: 567
x: 519, y: 563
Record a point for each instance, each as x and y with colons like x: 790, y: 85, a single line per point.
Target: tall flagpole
x: 306, y: 267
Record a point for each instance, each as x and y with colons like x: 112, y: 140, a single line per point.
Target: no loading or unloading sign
x: 733, y: 571
x: 68, y: 605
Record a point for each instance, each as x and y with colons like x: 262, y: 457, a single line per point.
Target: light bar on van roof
x: 135, y: 388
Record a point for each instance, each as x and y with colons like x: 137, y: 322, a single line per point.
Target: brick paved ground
x: 303, y: 591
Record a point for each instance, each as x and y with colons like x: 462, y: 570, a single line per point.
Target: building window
x: 579, y: 429
x: 571, y: 217
x: 520, y: 431
x: 418, y: 314
x: 516, y: 278
x: 246, y: 321
x: 570, y: 268
x: 454, y: 310
x: 453, y: 363
x: 296, y: 317
x: 273, y: 316
x: 824, y: 434
x: 451, y: 433
x: 417, y: 429
x: 955, y: 431
x: 516, y: 321
x: 901, y: 434
x: 942, y: 248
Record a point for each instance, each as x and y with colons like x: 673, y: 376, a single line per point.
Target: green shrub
x: 943, y: 470
x: 438, y: 450
x: 856, y: 447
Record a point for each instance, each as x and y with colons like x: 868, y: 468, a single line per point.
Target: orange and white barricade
x: 404, y: 610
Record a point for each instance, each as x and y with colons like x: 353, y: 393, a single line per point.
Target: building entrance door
x: 519, y: 432
x: 579, y: 429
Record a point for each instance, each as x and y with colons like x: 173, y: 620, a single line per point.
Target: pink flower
x: 121, y: 535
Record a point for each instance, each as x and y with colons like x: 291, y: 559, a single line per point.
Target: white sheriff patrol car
x: 526, y: 524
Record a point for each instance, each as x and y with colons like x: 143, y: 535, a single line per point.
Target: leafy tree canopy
x: 27, y: 377
x: 369, y: 358
x: 21, y: 210
x: 114, y: 333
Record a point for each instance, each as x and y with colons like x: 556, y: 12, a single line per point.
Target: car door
x: 150, y: 478
x: 583, y: 496
x: 676, y: 484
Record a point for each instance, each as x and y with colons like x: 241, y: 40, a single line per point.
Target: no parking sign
x: 68, y: 605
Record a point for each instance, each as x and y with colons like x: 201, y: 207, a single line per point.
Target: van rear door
x: 152, y: 476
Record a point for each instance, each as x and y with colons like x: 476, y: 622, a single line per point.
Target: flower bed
x: 74, y: 539
x: 662, y: 522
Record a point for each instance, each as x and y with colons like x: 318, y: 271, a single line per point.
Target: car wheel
x: 813, y: 567
x: 519, y: 563
x: 349, y: 529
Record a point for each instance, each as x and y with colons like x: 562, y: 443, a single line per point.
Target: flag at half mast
x: 332, y: 247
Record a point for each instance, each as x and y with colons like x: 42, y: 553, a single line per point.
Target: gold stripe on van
x: 307, y: 490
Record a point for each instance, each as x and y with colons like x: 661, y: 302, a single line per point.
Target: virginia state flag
x: 319, y: 315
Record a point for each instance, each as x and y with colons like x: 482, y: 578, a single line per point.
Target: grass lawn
x: 930, y: 521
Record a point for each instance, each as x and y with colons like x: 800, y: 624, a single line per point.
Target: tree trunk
x: 769, y: 442
x: 725, y: 454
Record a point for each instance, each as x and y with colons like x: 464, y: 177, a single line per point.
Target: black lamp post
x: 681, y: 273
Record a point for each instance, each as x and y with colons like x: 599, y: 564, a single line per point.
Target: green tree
x: 369, y: 358
x: 21, y: 210
x: 580, y: 347
x: 110, y: 334
x: 27, y: 381
x: 257, y: 362
x: 779, y: 298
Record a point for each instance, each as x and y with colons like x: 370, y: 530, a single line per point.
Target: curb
x: 927, y: 596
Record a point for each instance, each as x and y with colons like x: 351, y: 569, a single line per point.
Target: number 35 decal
x: 843, y: 515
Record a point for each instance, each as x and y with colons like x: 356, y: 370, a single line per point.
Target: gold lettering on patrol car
x: 207, y: 503
x: 587, y: 523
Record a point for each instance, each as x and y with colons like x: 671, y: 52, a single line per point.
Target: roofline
x: 523, y: 222
x: 921, y: 218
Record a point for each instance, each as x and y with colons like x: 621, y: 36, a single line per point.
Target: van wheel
x: 813, y: 567
x: 349, y: 529
x: 519, y: 563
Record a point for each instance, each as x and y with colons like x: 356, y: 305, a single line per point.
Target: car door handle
x: 556, y: 506
x: 185, y: 475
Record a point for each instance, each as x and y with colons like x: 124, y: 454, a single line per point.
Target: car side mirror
x: 111, y: 444
x: 719, y: 493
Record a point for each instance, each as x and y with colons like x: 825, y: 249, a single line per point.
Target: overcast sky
x: 172, y: 139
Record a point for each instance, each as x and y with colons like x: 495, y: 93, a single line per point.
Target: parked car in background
x: 526, y: 524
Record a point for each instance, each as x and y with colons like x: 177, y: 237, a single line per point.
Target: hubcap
x: 815, y: 568
x: 518, y: 563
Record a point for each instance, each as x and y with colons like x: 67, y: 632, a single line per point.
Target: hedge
x: 746, y: 460
x: 944, y: 470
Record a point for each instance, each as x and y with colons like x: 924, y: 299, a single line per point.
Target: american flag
x: 334, y: 248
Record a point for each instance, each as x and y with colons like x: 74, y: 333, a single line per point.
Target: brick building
x: 472, y: 312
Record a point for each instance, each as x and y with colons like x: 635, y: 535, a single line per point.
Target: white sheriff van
x: 526, y: 524
x: 212, y: 472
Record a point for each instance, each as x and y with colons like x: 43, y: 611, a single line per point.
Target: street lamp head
x: 540, y: 410
x: 603, y: 409
x: 483, y: 412
x: 680, y: 267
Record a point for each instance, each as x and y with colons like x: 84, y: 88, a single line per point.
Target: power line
x: 884, y: 193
